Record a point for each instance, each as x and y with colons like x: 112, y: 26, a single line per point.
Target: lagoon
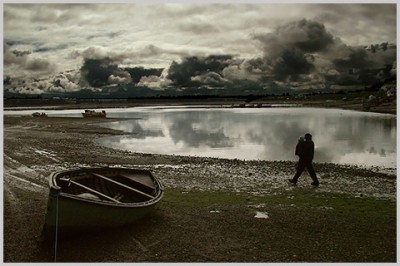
x: 340, y: 136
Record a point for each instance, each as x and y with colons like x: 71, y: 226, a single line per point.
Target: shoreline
x: 356, y: 104
x: 47, y: 144
x: 35, y: 147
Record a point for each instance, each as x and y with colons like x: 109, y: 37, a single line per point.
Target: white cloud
x: 119, y: 79
x: 154, y: 82
x: 59, y: 36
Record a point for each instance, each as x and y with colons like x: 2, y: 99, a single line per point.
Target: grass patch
x: 303, y: 199
x: 303, y: 226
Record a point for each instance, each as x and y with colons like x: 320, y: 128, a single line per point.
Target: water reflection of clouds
x: 266, y: 134
x: 197, y: 129
x: 141, y: 128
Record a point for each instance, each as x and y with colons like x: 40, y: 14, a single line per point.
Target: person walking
x: 299, y: 147
x: 305, y: 151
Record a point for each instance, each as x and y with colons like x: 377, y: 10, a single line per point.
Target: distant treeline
x: 39, y: 100
x: 199, y: 97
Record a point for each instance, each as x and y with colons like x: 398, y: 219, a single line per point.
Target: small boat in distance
x: 99, y: 197
x: 37, y: 114
x: 93, y: 113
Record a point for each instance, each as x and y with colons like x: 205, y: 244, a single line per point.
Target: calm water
x: 340, y: 136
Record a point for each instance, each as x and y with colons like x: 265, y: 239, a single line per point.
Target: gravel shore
x: 35, y: 147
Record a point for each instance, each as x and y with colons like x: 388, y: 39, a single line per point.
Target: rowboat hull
x: 96, y: 115
x: 93, y: 114
x: 68, y: 210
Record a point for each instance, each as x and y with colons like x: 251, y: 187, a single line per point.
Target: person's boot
x: 315, y: 183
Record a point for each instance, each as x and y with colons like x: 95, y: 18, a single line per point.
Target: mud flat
x: 214, y: 210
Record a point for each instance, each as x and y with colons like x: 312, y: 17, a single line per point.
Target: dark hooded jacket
x: 305, y: 150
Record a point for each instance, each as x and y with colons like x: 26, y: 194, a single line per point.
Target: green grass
x: 304, y: 226
x: 303, y: 199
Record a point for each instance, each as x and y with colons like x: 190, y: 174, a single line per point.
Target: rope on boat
x: 56, y: 234
x: 55, y: 192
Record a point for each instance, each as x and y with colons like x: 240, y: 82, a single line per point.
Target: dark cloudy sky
x: 70, y: 46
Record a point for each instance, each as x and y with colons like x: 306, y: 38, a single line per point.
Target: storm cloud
x: 197, y: 45
x: 288, y: 50
x: 23, y: 63
x: 68, y: 81
x: 357, y: 58
x: 305, y: 35
x: 137, y: 73
x: 98, y: 71
x: 198, y: 70
x: 102, y: 72
x: 292, y: 64
x: 304, y: 51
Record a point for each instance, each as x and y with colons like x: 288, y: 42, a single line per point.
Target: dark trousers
x: 303, y: 164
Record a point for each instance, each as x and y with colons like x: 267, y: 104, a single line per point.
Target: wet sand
x: 35, y: 147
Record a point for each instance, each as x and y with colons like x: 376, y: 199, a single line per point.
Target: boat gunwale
x: 159, y: 188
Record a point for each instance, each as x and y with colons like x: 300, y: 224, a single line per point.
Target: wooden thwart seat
x: 123, y: 185
x: 89, y: 189
x: 137, y: 181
